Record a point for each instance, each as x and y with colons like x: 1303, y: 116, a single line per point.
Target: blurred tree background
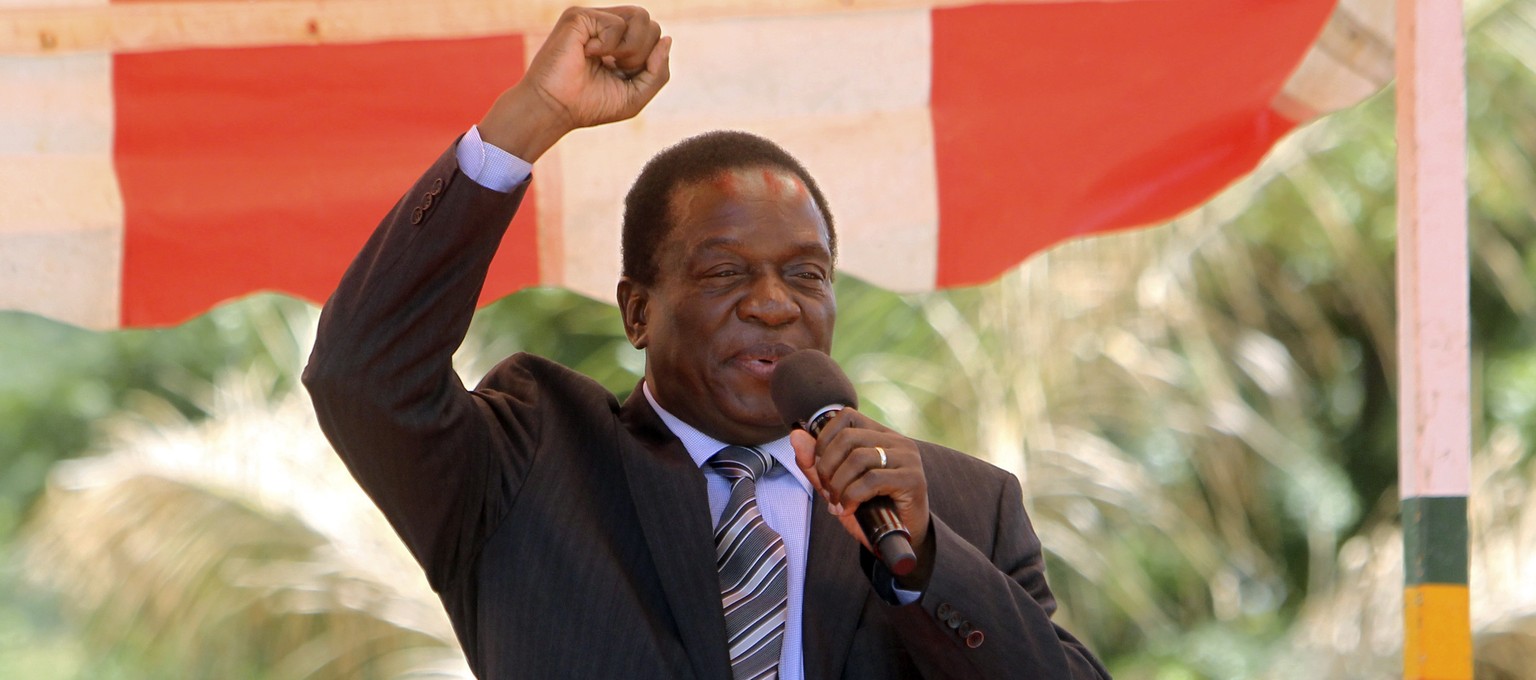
x: 1203, y: 415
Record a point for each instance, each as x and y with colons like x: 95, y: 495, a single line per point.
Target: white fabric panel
x: 69, y: 276
x: 63, y: 226
x: 187, y: 24
x: 39, y: 4
x: 1351, y: 60
x: 846, y: 94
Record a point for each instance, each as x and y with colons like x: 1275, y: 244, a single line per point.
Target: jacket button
x: 975, y: 639
x: 417, y: 215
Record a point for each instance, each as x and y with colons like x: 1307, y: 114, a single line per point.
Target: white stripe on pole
x: 63, y: 219
x: 847, y: 94
x: 1433, y: 309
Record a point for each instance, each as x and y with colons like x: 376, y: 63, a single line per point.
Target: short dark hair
x: 648, y: 206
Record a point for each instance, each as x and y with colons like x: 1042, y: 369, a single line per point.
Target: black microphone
x: 808, y: 389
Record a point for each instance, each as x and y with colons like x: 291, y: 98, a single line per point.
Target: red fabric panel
x: 266, y: 168
x: 1057, y: 120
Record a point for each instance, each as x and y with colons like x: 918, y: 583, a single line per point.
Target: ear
x: 634, y: 299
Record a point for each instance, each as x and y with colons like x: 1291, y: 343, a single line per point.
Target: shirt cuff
x: 905, y: 597
x: 489, y: 165
x: 884, y: 581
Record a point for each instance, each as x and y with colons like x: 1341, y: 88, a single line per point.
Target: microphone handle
x: 889, y: 535
x: 877, y: 517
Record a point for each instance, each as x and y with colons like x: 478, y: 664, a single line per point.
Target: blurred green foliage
x: 60, y: 380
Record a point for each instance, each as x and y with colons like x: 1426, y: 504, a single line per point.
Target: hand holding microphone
x: 854, y: 461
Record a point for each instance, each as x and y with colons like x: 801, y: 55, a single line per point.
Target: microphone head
x: 805, y: 382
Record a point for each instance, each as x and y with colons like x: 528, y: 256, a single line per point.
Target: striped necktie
x: 754, y: 587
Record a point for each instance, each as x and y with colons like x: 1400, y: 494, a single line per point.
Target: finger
x: 851, y: 418
x: 860, y: 462
x: 831, y: 450
x: 847, y: 430
x: 905, y: 488
x: 605, y: 31
x: 625, y: 39
x: 889, y: 483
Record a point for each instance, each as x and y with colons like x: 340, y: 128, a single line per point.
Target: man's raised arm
x: 442, y: 462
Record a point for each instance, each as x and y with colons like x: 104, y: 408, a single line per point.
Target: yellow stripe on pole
x: 1437, y: 634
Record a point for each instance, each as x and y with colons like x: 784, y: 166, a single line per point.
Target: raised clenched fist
x: 599, y: 65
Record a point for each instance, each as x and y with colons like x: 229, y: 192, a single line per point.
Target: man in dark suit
x: 687, y: 533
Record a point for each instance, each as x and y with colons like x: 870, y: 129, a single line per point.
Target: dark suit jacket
x: 569, y: 536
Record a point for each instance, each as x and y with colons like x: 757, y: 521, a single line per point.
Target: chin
x: 758, y: 415
x: 758, y: 424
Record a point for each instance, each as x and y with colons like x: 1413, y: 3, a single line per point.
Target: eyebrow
x: 814, y: 247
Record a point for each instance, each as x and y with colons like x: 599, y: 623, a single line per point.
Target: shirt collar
x: 702, y: 446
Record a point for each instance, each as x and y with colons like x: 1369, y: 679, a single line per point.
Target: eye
x: 722, y: 273
x: 808, y: 272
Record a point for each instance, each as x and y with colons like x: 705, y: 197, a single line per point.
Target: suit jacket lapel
x: 673, y: 507
x: 835, y: 590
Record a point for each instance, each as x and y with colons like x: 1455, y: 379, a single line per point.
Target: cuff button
x: 975, y: 639
x: 417, y: 215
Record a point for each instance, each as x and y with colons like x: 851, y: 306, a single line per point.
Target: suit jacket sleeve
x: 986, y: 614
x: 442, y: 463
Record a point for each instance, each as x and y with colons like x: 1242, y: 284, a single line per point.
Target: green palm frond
x: 235, y: 547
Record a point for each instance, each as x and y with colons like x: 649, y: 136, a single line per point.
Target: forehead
x: 761, y: 201
x: 751, y: 184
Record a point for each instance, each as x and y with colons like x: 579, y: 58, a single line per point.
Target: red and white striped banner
x: 158, y: 158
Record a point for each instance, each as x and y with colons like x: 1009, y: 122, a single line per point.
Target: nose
x: 768, y: 301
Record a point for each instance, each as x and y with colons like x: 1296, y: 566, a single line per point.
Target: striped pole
x: 1434, y: 415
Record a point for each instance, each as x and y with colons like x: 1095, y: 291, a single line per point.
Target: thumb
x: 805, y: 455
x: 658, y: 70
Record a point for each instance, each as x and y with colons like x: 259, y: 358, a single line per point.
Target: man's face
x: 745, y: 278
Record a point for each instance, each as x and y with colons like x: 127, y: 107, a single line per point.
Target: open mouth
x: 760, y: 360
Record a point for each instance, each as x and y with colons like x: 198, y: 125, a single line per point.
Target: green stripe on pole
x: 1435, y: 540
